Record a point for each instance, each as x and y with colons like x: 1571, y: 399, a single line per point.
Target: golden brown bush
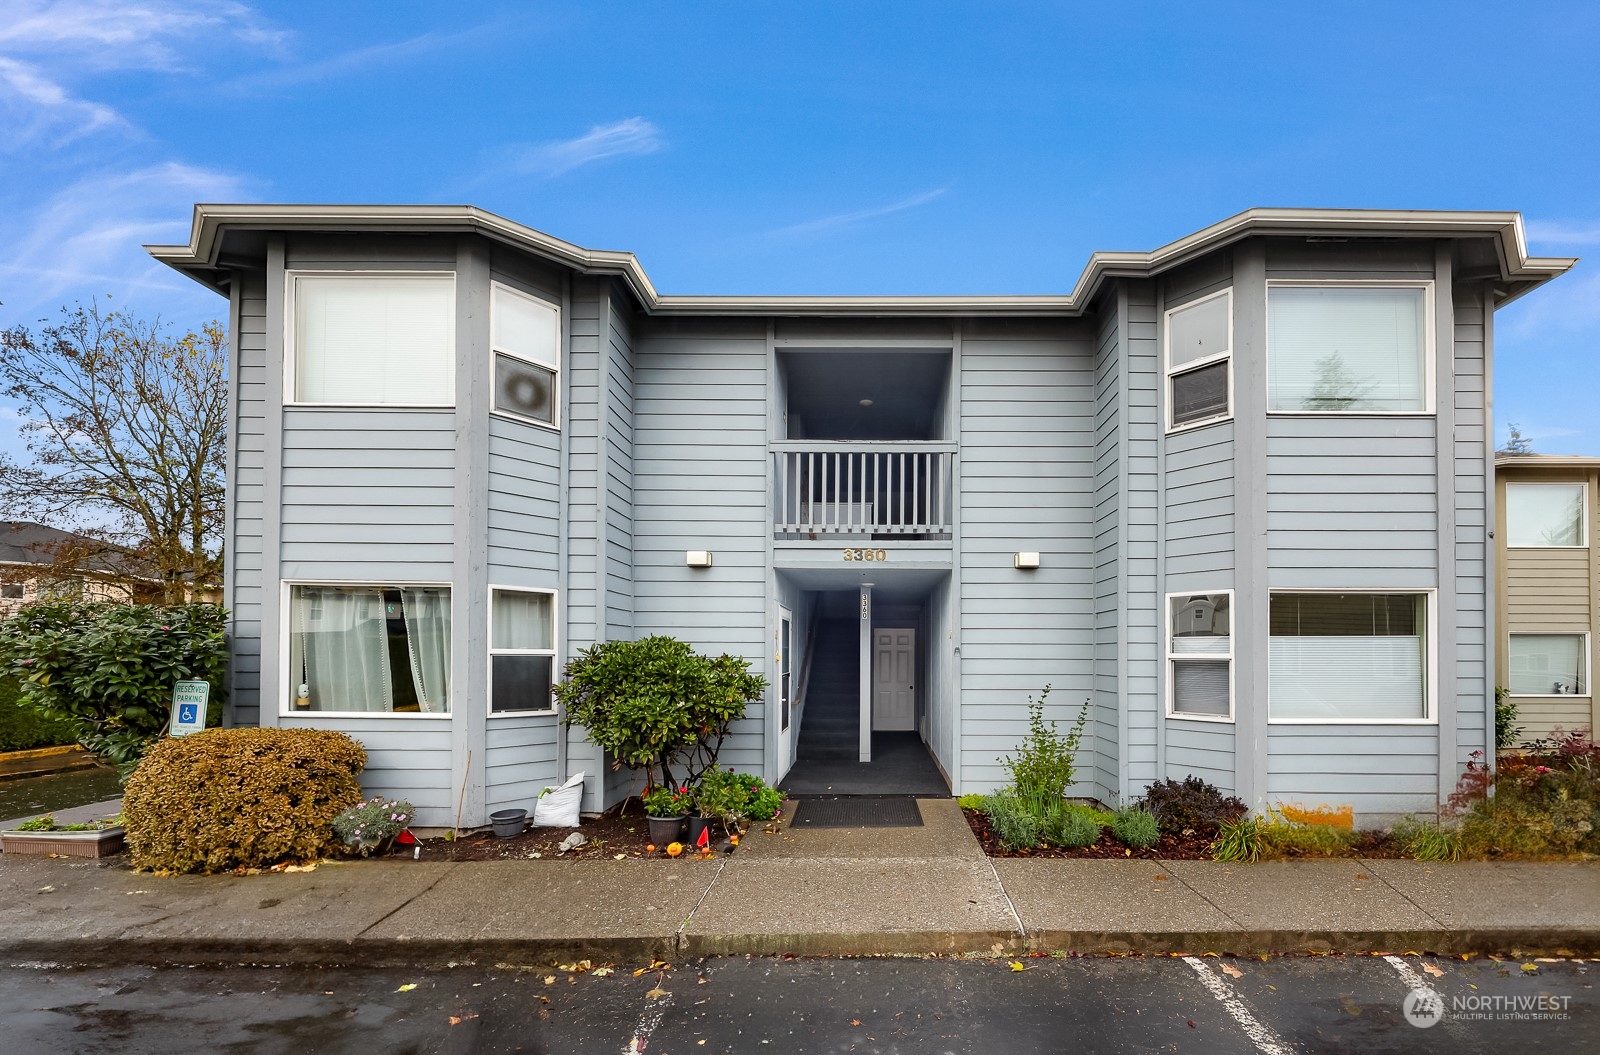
x: 231, y: 798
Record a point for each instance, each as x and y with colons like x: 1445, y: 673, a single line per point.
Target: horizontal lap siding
x: 618, y: 448
x: 1106, y: 541
x: 249, y: 476
x: 1380, y: 769
x: 1201, y: 749
x: 524, y: 504
x: 1468, y: 457
x: 1026, y: 449
x: 699, y: 481
x: 406, y: 759
x: 1141, y: 605
x: 520, y: 761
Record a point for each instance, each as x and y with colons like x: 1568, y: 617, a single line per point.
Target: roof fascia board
x: 1519, y: 272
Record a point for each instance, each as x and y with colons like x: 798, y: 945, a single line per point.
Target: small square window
x: 12, y: 591
x: 1549, y: 665
x: 1546, y: 515
x: 524, y: 389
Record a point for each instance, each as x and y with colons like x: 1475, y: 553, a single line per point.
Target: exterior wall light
x: 1025, y: 561
x: 698, y: 558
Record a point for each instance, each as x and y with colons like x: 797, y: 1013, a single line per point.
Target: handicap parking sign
x: 189, y: 707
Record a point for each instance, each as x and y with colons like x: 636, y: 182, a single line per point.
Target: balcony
x: 878, y: 490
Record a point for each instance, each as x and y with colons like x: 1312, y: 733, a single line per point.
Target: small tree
x: 109, y: 668
x: 656, y: 705
x: 1517, y: 443
x: 1044, y: 767
x: 124, y: 426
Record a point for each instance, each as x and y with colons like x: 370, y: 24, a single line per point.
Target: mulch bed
x: 620, y: 831
x: 1170, y: 848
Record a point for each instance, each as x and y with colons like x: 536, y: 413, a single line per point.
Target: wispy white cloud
x: 630, y: 137
x: 37, y: 108
x: 86, y: 239
x: 1564, y: 232
x: 356, y: 59
x: 1568, y: 306
x: 130, y: 34
x: 844, y: 220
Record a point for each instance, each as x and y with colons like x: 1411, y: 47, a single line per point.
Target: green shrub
x: 240, y: 798
x: 1070, y: 827
x: 1506, y: 729
x: 1015, y: 820
x: 1426, y: 842
x: 1043, y: 768
x: 369, y: 826
x: 1544, y: 802
x: 109, y: 669
x: 1286, y: 838
x: 1191, y: 805
x: 655, y: 704
x: 1240, y: 839
x: 734, y: 796
x: 23, y: 727
x: 1135, y: 827
x: 972, y: 801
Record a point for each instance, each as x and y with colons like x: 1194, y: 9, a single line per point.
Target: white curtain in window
x: 1347, y: 677
x: 427, y: 614
x: 343, y: 649
x: 375, y: 339
x: 526, y: 327
x: 1343, y: 348
x: 522, y: 620
x: 1544, y: 514
x: 1547, y: 664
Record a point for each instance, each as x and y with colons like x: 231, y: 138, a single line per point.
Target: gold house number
x: 866, y: 554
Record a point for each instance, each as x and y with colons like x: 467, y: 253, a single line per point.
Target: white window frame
x: 1172, y: 658
x: 290, y: 284
x: 1429, y: 344
x: 285, y: 618
x: 1430, y: 698
x: 1171, y: 372
x: 1588, y: 688
x: 495, y: 351
x: 1583, y: 521
x: 554, y: 651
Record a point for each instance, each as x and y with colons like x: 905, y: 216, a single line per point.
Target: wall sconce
x: 698, y: 558
x: 1025, y: 561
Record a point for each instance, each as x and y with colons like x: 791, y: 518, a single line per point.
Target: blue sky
x: 809, y: 148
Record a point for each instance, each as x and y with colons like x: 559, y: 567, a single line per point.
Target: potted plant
x: 667, y: 810
x: 42, y: 836
x: 370, y: 828
x: 719, y: 797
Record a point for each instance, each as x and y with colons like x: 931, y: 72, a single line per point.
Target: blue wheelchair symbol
x: 188, y: 713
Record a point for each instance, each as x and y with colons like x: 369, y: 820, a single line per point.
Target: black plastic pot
x: 508, y: 824
x: 696, y: 826
x: 664, y: 830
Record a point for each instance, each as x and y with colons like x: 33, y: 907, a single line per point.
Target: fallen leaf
x: 1192, y: 1025
x: 1231, y: 971
x: 855, y: 1022
x: 1429, y: 968
x: 549, y: 979
x: 1161, y: 879
x: 407, y: 987
x: 456, y: 1020
x: 638, y: 972
x: 1530, y: 968
x: 656, y: 994
x: 1016, y: 965
x: 603, y: 972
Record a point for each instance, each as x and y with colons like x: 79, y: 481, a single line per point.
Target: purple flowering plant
x: 373, y: 824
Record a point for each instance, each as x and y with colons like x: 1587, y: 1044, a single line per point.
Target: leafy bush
x: 1070, y: 827
x: 1506, y: 729
x: 22, y: 727
x: 1545, y: 802
x: 108, y: 669
x: 1240, y: 839
x: 240, y: 798
x: 1426, y: 842
x: 1015, y: 820
x: 667, y: 802
x: 1135, y: 827
x: 972, y: 801
x: 1282, y: 837
x: 732, y: 796
x: 1191, y: 805
x: 654, y: 704
x: 1043, y: 768
x: 369, y: 825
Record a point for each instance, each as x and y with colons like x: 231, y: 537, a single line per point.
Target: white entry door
x: 894, y: 690
x: 785, y: 656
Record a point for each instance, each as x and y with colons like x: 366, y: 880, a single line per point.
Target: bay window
x: 1348, y: 657
x: 369, y: 338
x: 369, y: 649
x: 522, y: 650
x: 1200, y: 656
x: 1546, y: 514
x: 1352, y: 348
x: 526, y: 336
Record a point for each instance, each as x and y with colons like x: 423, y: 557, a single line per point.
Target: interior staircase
x: 830, y: 725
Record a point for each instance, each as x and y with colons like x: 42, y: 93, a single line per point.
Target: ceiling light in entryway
x: 866, y: 402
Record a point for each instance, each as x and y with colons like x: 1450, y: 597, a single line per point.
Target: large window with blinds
x: 1353, y: 348
x: 371, y: 338
x: 1349, y: 657
x: 1200, y: 656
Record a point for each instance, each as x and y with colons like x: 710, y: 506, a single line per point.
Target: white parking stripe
x: 1412, y: 978
x: 1266, y: 1041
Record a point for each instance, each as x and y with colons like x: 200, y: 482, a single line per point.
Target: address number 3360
x: 866, y: 554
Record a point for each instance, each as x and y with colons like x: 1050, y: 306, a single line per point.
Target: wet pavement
x: 29, y: 796
x: 743, y: 1004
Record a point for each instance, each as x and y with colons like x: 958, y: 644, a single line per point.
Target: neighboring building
x: 1545, y: 589
x: 31, y: 567
x: 1233, y: 492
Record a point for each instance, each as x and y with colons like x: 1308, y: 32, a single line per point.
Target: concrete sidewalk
x: 806, y: 892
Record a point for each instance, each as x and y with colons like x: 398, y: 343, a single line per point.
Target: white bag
x: 558, y: 807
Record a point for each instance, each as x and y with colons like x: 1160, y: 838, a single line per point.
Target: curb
x: 529, y: 952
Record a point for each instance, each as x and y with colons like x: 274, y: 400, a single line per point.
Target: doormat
x: 857, y: 811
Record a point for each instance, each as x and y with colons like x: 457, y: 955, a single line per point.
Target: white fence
x: 863, y: 489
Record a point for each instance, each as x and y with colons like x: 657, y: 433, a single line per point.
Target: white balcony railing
x: 862, y: 489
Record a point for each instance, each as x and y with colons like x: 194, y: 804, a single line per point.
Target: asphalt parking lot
x: 1194, y: 1004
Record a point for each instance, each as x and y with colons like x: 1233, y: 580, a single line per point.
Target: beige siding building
x: 1546, y: 541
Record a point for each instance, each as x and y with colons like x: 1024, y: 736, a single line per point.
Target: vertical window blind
x: 374, y: 339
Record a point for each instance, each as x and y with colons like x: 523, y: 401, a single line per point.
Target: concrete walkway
x: 806, y: 892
